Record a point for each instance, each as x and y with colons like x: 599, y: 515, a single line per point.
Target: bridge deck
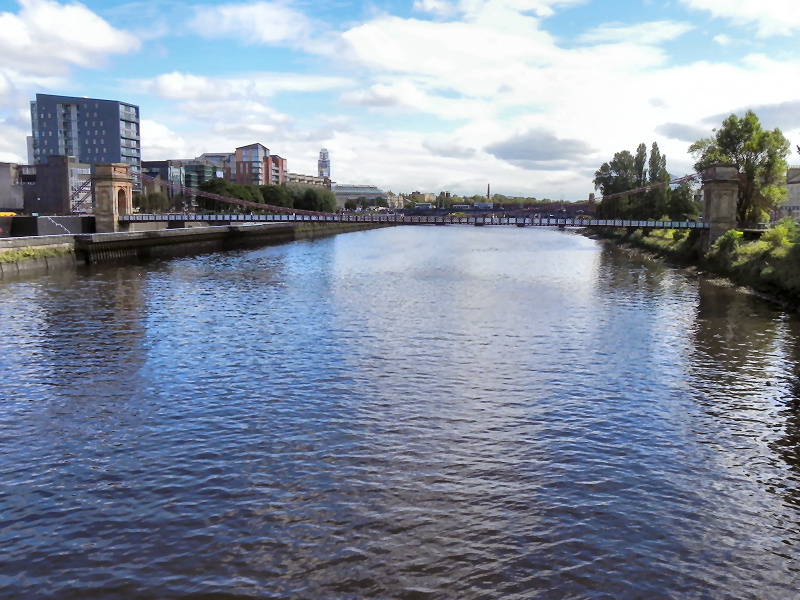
x: 221, y: 218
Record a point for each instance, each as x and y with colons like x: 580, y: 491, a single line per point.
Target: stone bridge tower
x: 113, y: 196
x: 720, y: 195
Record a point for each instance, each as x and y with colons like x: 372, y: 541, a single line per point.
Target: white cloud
x: 198, y: 126
x: 654, y: 32
x: 259, y: 22
x: 46, y: 37
x: 722, y: 39
x: 381, y: 95
x: 484, y: 94
x: 775, y: 17
x: 441, y: 8
x: 161, y: 143
x: 473, y: 58
x: 186, y: 86
x: 419, y: 96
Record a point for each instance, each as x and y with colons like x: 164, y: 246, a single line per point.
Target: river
x: 413, y: 412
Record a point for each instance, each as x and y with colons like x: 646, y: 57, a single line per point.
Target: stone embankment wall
x: 45, y: 253
x: 36, y: 254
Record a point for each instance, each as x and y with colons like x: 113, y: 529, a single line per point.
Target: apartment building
x: 313, y: 180
x: 89, y: 129
x: 254, y: 165
x: 224, y: 163
x: 278, y: 170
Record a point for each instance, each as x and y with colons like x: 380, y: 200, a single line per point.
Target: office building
x: 59, y: 187
x: 324, y: 164
x: 11, y: 188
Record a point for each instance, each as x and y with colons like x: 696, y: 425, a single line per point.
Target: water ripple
x: 517, y: 414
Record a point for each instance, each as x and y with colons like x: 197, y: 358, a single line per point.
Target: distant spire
x: 488, y: 195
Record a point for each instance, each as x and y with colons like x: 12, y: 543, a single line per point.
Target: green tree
x: 217, y: 186
x: 250, y: 193
x: 308, y: 201
x: 350, y: 204
x: 314, y: 199
x: 616, y: 176
x: 152, y: 202
x: 758, y: 154
x: 327, y: 201
x: 157, y: 201
x: 639, y: 165
x: 179, y: 202
x: 276, y: 195
x: 681, y: 205
x: 655, y: 200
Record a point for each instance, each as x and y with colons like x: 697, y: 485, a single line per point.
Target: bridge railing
x: 411, y: 220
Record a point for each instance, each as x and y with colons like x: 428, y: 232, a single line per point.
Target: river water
x: 414, y: 412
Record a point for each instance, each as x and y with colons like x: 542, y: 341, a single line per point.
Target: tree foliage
x: 617, y: 176
x: 299, y: 197
x: 312, y: 198
x: 639, y: 165
x: 152, y: 202
x: 276, y: 195
x: 627, y: 172
x: 758, y: 154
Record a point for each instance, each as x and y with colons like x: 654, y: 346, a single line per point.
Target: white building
x: 792, y: 206
x: 344, y: 193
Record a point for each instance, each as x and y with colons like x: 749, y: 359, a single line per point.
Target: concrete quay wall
x: 29, y: 255
x: 19, y: 256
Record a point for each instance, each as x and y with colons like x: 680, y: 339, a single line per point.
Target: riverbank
x: 38, y: 254
x: 768, y: 265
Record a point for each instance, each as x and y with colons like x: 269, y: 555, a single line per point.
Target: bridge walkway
x: 224, y: 218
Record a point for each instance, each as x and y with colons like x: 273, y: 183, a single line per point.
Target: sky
x: 529, y: 96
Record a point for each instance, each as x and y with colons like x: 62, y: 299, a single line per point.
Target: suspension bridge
x: 243, y: 211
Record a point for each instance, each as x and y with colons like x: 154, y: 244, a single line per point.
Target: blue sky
x: 531, y: 96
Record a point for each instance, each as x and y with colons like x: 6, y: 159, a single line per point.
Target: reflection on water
x: 404, y: 413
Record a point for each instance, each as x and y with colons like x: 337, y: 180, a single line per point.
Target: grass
x: 10, y: 256
x: 770, y: 264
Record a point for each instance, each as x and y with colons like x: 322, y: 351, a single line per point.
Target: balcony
x: 128, y: 115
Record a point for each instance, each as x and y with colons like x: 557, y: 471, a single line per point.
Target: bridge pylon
x: 720, y: 197
x: 113, y: 196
